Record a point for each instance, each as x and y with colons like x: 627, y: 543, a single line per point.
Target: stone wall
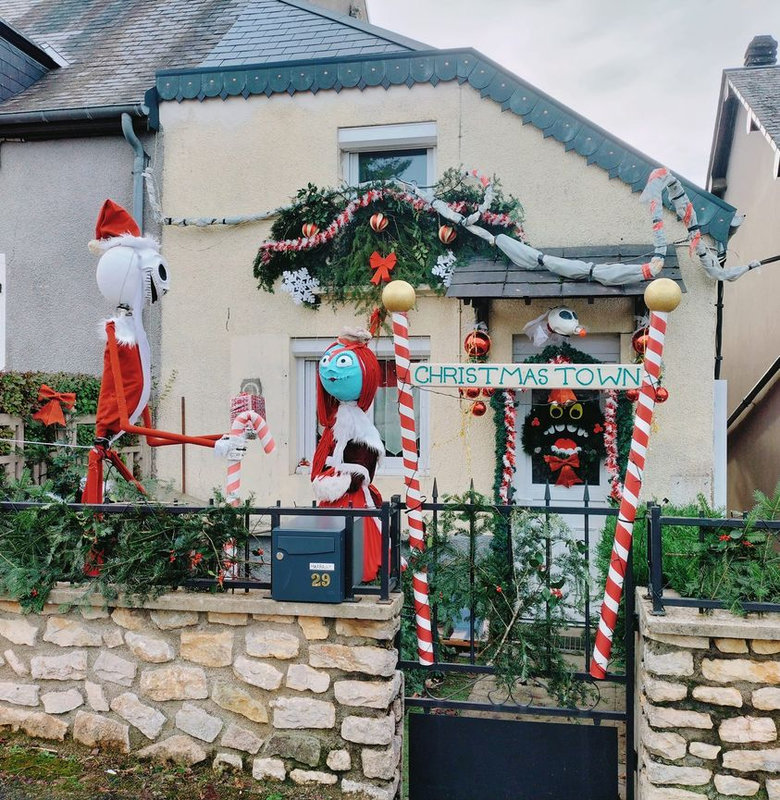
x: 708, y: 710
x: 289, y: 691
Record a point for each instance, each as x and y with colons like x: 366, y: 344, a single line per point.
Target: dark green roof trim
x: 513, y: 94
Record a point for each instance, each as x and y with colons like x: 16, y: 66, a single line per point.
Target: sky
x: 648, y: 72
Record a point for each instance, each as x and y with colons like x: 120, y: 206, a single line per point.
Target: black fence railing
x: 709, y: 531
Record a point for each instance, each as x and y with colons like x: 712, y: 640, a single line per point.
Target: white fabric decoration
x: 300, y: 285
x: 444, y: 266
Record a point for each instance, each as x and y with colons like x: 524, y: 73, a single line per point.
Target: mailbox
x: 309, y: 559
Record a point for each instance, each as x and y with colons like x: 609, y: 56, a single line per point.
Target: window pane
x: 409, y: 165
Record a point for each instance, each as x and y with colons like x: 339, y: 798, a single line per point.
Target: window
x: 384, y: 411
x: 383, y: 152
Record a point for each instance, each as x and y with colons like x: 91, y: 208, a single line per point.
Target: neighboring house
x: 745, y: 171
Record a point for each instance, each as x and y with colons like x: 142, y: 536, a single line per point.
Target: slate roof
x: 114, y: 47
x: 759, y: 88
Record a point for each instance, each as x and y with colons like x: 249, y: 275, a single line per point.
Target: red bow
x: 51, y: 413
x: 382, y: 266
x: 567, y: 476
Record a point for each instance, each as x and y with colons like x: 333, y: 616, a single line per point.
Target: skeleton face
x: 564, y: 321
x: 122, y: 271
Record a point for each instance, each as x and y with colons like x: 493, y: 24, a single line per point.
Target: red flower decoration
x: 556, y: 593
x: 746, y: 543
x: 597, y: 428
x: 499, y: 589
x: 535, y: 422
x: 724, y: 538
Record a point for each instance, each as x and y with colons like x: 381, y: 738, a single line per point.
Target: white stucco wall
x: 244, y: 156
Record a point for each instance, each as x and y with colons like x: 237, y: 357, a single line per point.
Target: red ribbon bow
x: 51, y: 413
x: 382, y: 265
x: 567, y: 476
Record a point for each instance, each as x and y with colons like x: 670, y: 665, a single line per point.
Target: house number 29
x: 320, y: 579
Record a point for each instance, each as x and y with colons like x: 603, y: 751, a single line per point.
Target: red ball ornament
x: 472, y: 392
x: 477, y: 344
x: 447, y: 234
x: 661, y: 395
x: 633, y: 395
x: 309, y: 229
x: 488, y: 392
x: 639, y: 341
x: 478, y: 409
x: 378, y: 222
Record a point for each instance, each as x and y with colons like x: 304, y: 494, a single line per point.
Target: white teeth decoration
x: 581, y: 433
x: 560, y: 451
x: 550, y: 431
x: 537, y: 450
x: 560, y: 428
x: 571, y: 429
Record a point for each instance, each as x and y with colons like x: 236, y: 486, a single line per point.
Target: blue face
x: 340, y: 373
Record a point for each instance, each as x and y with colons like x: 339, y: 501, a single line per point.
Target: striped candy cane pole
x: 422, y: 608
x: 661, y: 296
x: 508, y: 459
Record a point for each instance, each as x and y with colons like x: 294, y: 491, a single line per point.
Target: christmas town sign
x: 525, y: 376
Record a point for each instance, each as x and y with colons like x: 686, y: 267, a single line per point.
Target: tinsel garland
x: 610, y: 443
x: 509, y: 457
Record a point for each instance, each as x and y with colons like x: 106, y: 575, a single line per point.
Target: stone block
x: 176, y: 749
x: 174, y: 683
x: 129, y: 618
x: 148, y: 720
x: 44, y: 726
x: 16, y: 664
x: 747, y: 729
x: 752, y: 760
x: 314, y: 628
x: 267, y: 643
x: 217, y: 618
x: 61, y: 702
x: 71, y: 666
x: 18, y: 631
x: 668, y: 745
x: 718, y: 695
x: 684, y: 776
x: 380, y: 763
x: 339, y: 760
x: 739, y: 787
x: 369, y: 628
x: 20, y: 694
x: 731, y: 670
x: 113, y: 638
x: 281, y: 619
x: 368, y: 730
x: 663, y: 691
x: 663, y: 717
x: 149, y: 648
x: 93, y: 730
x: 704, y: 750
x: 367, y: 694
x: 303, y: 678
x: 300, y: 712
x: 93, y: 612
x: 303, y: 777
x: 265, y: 768
x: 765, y: 647
x: 731, y: 645
x: 772, y: 789
x: 766, y: 699
x: 678, y: 663
x: 13, y: 717
x: 114, y: 669
x: 369, y: 660
x: 368, y: 790
x: 257, y: 673
x: 196, y: 722
x: 96, y: 697
x: 241, y: 739
x: 650, y: 792
x: 687, y: 642
x: 298, y: 746
x: 227, y: 761
x: 170, y: 620
x: 209, y: 648
x: 70, y: 633
x: 231, y: 698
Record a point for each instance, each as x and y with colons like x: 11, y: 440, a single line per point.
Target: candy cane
x: 640, y: 438
x: 422, y: 608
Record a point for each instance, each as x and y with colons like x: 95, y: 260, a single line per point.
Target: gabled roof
x: 22, y: 62
x: 492, y: 81
x: 757, y: 89
x: 113, y: 49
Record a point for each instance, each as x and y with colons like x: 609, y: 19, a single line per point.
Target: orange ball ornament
x: 309, y: 229
x: 478, y: 409
x: 447, y: 234
x: 477, y: 344
x: 378, y: 222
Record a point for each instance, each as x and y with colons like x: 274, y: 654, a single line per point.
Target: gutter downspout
x: 72, y: 114
x: 747, y: 403
x: 139, y: 164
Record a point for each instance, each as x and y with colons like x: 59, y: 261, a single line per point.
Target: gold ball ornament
x: 663, y: 294
x: 398, y: 296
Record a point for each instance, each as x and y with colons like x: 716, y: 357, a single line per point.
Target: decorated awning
x: 495, y: 278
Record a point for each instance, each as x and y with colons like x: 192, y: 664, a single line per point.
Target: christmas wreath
x: 348, y: 242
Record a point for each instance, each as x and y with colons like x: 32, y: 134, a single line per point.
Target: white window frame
x: 306, y: 354
x: 375, y: 138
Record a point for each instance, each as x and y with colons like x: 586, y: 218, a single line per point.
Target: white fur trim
x: 98, y: 246
x: 353, y: 425
x: 124, y: 328
x: 353, y: 469
x: 328, y: 488
x: 355, y: 334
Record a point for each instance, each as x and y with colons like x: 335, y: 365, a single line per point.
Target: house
x: 744, y: 170
x: 241, y: 139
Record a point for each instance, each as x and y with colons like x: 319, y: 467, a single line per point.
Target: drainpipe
x: 139, y: 163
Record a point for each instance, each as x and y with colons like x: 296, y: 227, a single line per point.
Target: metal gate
x: 484, y: 744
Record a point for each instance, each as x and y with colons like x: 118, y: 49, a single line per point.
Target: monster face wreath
x: 564, y: 437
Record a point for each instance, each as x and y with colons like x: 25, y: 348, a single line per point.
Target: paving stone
x: 369, y: 660
x: 265, y: 768
x: 209, y: 648
x: 18, y: 631
x: 114, y: 669
x: 718, y: 695
x: 70, y: 633
x: 71, y: 666
x: 174, y: 682
x: 257, y: 673
x: 177, y: 749
x: 300, y: 712
x: 241, y: 739
x: 96, y: 731
x: 302, y: 677
x: 61, y: 702
x: 232, y: 698
x: 148, y: 720
x: 149, y: 648
x: 747, y: 729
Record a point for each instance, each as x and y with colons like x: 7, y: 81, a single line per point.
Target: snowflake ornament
x: 444, y: 266
x: 300, y: 285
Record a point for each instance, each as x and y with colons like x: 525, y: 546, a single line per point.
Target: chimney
x: 761, y: 52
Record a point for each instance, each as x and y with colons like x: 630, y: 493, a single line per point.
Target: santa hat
x: 116, y: 227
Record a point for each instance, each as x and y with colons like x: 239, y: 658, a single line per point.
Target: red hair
x: 327, y: 405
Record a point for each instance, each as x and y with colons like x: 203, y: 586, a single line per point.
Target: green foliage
x: 341, y: 265
x: 527, y: 587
